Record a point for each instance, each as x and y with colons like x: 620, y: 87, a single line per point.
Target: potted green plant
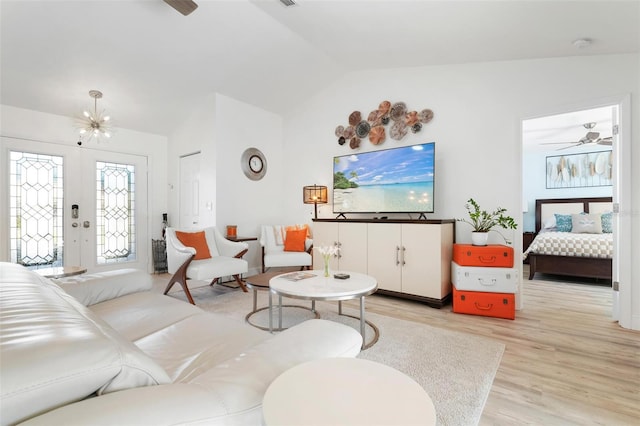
x: 483, y: 222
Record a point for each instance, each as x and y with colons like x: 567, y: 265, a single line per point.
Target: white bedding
x: 571, y: 244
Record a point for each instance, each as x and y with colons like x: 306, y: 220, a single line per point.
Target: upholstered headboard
x: 546, y: 208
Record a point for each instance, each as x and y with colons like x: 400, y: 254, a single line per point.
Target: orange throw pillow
x: 196, y: 240
x: 305, y: 227
x: 295, y: 240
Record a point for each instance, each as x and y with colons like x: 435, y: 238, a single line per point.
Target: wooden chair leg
x: 181, y: 277
x: 213, y: 281
x: 240, y: 283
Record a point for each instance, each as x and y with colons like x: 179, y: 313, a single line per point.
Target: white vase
x: 479, y: 238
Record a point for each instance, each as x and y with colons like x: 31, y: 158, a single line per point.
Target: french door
x: 71, y: 206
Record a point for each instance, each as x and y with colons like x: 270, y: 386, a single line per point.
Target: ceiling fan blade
x: 183, y: 6
x: 554, y: 143
x: 605, y: 141
x: 567, y: 147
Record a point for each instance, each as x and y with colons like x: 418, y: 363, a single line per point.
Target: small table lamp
x: 314, y: 194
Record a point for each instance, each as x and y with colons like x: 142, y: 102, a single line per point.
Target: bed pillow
x: 550, y: 223
x: 563, y: 222
x: 586, y: 223
x: 607, y: 223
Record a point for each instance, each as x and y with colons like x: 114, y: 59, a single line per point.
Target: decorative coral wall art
x: 402, y: 121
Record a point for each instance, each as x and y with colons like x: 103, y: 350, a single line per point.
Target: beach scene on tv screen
x: 391, y: 180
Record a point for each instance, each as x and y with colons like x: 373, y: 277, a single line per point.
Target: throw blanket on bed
x: 570, y: 244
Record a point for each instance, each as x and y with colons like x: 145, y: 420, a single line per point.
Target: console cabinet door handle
x: 397, y: 255
x: 403, y: 250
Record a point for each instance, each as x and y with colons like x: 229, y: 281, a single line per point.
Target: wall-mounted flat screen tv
x: 395, y: 180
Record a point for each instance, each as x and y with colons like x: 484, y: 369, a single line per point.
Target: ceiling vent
x: 288, y: 2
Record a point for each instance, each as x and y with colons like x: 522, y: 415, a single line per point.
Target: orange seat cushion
x: 295, y: 240
x: 198, y: 241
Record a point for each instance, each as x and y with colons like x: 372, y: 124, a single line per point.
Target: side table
x: 527, y: 239
x: 237, y: 238
x: 346, y: 391
x: 260, y: 282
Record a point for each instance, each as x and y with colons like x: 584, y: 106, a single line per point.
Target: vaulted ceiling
x: 152, y: 63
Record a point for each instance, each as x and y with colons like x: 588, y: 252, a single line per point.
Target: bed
x: 556, y: 250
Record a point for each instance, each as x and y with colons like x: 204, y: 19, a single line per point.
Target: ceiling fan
x: 589, y: 138
x: 183, y: 6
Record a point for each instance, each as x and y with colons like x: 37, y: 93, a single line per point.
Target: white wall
x: 478, y: 113
x: 196, y: 134
x: 222, y: 128
x: 55, y: 129
x: 241, y: 201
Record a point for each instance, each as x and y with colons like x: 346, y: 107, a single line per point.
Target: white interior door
x: 189, y: 190
x: 73, y: 206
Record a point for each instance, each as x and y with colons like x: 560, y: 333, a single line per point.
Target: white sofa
x: 106, y: 351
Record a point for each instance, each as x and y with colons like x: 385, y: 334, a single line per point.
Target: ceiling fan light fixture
x: 582, y: 43
x: 592, y: 136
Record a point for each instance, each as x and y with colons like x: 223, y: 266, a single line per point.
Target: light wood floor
x: 566, y: 362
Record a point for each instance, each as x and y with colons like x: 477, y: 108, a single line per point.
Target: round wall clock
x: 253, y: 163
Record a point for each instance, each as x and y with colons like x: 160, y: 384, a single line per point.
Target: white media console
x: 408, y: 258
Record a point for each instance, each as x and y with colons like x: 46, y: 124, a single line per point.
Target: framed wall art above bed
x: 580, y: 170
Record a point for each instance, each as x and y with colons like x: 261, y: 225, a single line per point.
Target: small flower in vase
x: 327, y: 252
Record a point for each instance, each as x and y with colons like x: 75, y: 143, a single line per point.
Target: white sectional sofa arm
x: 163, y: 405
x: 230, y: 393
x: 93, y: 288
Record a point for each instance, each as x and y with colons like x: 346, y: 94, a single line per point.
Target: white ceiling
x: 562, y: 132
x: 153, y: 63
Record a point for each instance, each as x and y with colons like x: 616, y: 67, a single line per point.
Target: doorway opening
x: 571, y: 155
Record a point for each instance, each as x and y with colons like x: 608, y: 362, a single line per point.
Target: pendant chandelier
x: 94, y: 125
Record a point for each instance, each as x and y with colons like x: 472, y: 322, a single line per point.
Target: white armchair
x: 226, y: 259
x: 274, y: 254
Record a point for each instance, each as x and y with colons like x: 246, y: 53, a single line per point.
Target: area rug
x: 456, y: 369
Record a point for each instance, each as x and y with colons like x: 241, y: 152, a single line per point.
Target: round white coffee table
x: 260, y: 282
x: 346, y: 391
x: 318, y: 287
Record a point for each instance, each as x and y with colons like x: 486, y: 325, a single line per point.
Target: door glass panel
x: 115, y: 212
x: 36, y: 208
